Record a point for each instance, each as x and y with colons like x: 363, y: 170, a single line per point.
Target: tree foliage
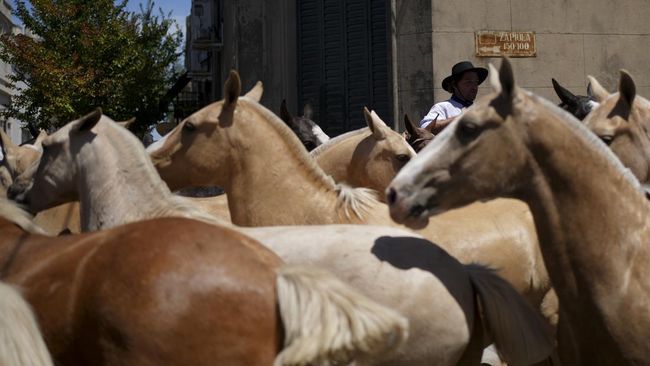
x: 87, y: 53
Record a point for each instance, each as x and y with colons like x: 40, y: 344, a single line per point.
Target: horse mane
x: 10, y: 211
x: 357, y: 200
x: 168, y: 203
x: 586, y: 136
x: 333, y: 141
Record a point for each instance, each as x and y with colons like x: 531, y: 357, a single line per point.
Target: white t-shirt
x: 443, y: 110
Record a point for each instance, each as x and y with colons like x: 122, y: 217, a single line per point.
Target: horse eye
x: 607, y: 139
x: 189, y: 126
x: 468, y: 131
x: 403, y: 158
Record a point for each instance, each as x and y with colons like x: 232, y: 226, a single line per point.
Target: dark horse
x: 578, y: 105
x: 309, y: 133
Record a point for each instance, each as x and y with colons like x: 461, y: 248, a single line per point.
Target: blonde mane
x: 10, y: 211
x: 356, y: 200
x: 333, y: 141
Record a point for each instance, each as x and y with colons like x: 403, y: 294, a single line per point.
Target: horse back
x: 166, y: 291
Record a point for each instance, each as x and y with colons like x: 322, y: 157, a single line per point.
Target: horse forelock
x: 10, y: 211
x: 582, y: 132
x: 296, y: 147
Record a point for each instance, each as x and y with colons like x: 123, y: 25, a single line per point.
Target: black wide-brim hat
x: 459, y: 69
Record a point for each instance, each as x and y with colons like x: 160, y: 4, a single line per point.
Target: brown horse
x: 589, y: 212
x: 21, y: 342
x: 368, y: 157
x: 416, y: 136
x: 621, y: 121
x: 174, y: 291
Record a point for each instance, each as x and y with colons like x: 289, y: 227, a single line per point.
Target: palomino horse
x: 589, y: 212
x: 231, y: 147
x: 21, y: 342
x: 386, y: 264
x: 174, y: 291
x: 577, y: 105
x: 309, y: 133
x: 16, y: 159
x: 368, y: 157
x: 622, y: 122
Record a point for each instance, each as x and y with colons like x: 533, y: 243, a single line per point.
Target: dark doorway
x: 344, y: 61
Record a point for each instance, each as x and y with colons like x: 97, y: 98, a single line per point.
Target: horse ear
x: 507, y: 78
x: 126, y: 124
x: 41, y: 136
x: 88, y: 121
x: 494, y: 78
x: 410, y: 127
x: 375, y: 124
x: 564, y: 94
x: 626, y: 87
x: 284, y: 113
x: 232, y: 89
x: 6, y: 144
x: 308, y: 111
x: 256, y: 93
x: 598, y: 92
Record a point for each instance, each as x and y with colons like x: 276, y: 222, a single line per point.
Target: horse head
x: 478, y: 156
x: 207, y: 139
x: 51, y: 179
x: 621, y: 121
x: 17, y: 159
x: 304, y: 127
x: 578, y: 105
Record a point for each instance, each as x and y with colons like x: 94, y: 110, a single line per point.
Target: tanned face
x: 467, y: 86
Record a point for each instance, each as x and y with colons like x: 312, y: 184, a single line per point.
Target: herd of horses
x: 514, y: 235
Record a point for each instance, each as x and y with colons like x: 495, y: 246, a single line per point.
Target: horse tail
x: 519, y: 332
x: 326, y: 320
x: 21, y: 342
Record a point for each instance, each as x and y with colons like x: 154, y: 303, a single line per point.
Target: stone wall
x: 574, y: 39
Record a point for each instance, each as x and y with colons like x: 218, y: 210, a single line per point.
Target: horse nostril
x: 391, y: 196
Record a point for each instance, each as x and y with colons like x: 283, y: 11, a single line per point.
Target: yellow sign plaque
x: 509, y: 43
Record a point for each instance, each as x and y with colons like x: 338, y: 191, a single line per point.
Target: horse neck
x: 273, y: 181
x: 118, y: 183
x: 590, y: 217
x: 335, y: 156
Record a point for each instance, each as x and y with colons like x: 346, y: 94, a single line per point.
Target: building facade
x: 391, y: 55
x: 12, y: 127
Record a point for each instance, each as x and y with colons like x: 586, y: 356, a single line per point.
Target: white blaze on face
x: 320, y: 135
x: 592, y: 105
